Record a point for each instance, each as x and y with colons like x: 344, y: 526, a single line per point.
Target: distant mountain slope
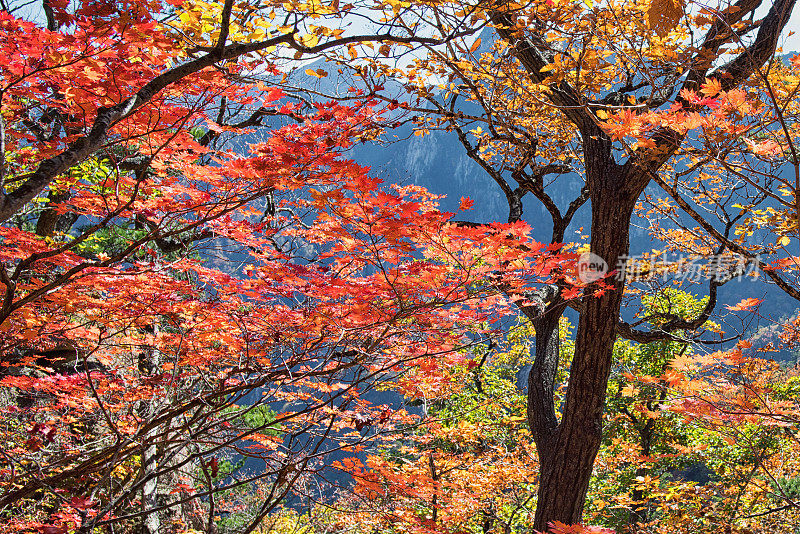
x: 438, y: 162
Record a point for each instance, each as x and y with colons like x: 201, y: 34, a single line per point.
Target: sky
x: 790, y: 43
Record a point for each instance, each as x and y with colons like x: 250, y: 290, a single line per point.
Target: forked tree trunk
x: 567, y: 449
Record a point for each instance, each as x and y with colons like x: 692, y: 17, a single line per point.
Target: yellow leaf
x: 310, y: 40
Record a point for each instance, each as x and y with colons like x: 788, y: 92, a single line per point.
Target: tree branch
x: 49, y: 169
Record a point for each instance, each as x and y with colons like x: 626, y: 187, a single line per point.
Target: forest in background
x: 214, y: 319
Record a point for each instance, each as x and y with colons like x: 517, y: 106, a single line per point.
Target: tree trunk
x: 150, y: 363
x: 639, y: 511
x: 567, y: 452
x: 541, y: 378
x: 50, y: 220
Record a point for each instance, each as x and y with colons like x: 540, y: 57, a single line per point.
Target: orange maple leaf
x: 711, y: 87
x: 764, y: 148
x: 745, y: 304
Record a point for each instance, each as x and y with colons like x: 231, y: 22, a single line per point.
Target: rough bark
x: 541, y: 378
x: 567, y: 453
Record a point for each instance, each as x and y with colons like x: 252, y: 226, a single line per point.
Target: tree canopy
x: 200, y: 289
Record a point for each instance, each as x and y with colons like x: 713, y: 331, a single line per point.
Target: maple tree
x: 118, y: 190
x: 172, y: 306
x: 692, y: 445
x: 467, y: 465
x: 603, y: 100
x: 675, y: 459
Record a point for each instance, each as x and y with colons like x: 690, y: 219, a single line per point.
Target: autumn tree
x: 610, y: 97
x: 695, y: 442
x: 170, y: 305
x: 466, y: 464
